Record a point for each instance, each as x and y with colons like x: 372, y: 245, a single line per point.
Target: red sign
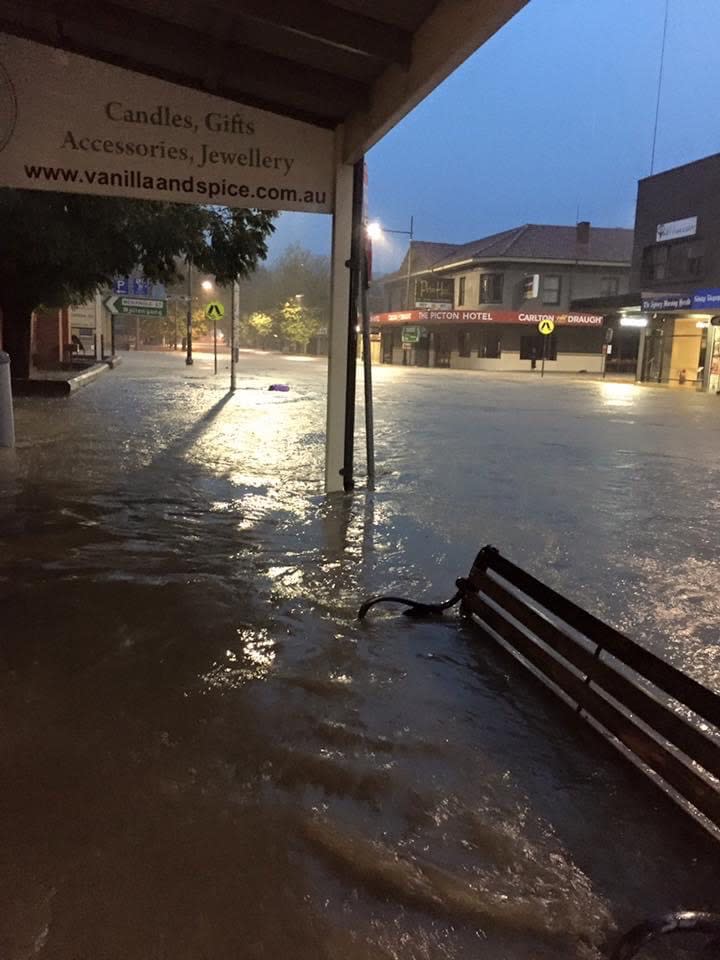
x: 487, y: 316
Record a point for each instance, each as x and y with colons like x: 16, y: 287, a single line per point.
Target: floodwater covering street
x: 204, y: 754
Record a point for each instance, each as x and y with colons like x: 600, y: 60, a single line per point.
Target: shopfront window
x: 491, y: 287
x: 654, y: 263
x: 551, y: 289
x: 461, y: 292
x: 464, y: 344
x: 533, y: 345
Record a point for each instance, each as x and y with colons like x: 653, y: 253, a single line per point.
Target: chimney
x: 582, y: 232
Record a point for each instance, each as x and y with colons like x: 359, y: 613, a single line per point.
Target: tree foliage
x: 298, y: 323
x: 298, y: 276
x: 58, y: 249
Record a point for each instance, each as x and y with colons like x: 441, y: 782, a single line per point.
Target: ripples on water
x: 209, y: 757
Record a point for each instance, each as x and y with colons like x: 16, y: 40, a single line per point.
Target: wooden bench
x: 658, y: 716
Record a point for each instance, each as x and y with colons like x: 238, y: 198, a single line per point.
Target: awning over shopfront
x: 486, y: 316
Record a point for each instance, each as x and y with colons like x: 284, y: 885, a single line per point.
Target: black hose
x: 685, y: 922
x: 415, y: 608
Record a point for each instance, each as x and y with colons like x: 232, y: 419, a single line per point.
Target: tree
x: 261, y: 324
x: 297, y: 275
x: 58, y: 249
x: 298, y: 323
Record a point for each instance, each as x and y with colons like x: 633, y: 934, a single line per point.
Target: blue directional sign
x: 138, y: 287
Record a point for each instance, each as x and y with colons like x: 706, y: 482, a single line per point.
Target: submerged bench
x: 658, y: 716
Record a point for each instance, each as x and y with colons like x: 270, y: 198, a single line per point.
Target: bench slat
x: 668, y: 678
x: 661, y: 718
x: 675, y: 773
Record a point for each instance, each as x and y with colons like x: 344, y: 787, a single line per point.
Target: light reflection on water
x: 200, y: 736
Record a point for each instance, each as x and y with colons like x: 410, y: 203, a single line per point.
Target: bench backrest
x: 663, y: 717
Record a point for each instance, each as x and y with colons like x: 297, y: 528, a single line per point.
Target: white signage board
x: 676, y: 229
x: 69, y: 123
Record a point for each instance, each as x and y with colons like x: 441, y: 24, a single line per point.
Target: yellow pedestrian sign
x: 546, y: 326
x: 214, y: 310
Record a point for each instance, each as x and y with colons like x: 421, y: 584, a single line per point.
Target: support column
x: 338, y: 328
x: 640, y: 356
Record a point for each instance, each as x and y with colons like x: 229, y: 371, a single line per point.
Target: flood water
x: 203, y: 753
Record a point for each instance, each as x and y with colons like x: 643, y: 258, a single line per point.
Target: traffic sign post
x: 545, y: 327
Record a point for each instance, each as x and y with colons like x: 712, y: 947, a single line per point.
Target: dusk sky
x: 553, y: 114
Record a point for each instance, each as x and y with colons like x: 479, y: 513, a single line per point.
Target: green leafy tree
x: 58, y: 249
x: 297, y: 275
x: 298, y: 323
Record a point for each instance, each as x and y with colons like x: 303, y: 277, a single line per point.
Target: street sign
x: 546, y: 326
x: 410, y: 334
x: 214, y: 310
x: 135, y: 306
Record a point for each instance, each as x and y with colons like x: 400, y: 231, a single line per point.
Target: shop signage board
x: 71, y: 123
x: 666, y: 302
x: 676, y: 229
x: 706, y: 299
x: 135, y: 306
x: 411, y: 334
x: 487, y: 316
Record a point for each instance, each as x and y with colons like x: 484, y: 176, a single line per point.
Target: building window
x: 533, y: 345
x: 491, y: 287
x: 654, y: 263
x: 461, y: 291
x: 609, y: 286
x: 464, y: 347
x: 551, y: 289
x: 673, y: 261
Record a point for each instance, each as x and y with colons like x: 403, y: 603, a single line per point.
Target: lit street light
x: 376, y: 231
x: 207, y: 285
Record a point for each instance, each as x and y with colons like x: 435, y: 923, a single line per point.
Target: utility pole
x: 189, y: 356
x: 408, y: 304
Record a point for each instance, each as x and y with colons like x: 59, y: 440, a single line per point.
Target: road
x: 208, y: 756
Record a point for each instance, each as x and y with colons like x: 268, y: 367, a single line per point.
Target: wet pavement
x: 203, y: 754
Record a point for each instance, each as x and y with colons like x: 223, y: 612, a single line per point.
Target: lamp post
x: 375, y: 231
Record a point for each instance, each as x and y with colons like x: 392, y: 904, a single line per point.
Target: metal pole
x: 367, y: 369
x: 188, y: 355
x: 215, y: 344
x: 408, y: 305
x: 233, y: 308
x: 352, y: 332
x: 542, y: 365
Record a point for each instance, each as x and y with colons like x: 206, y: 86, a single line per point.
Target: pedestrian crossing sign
x: 214, y: 310
x: 546, y: 326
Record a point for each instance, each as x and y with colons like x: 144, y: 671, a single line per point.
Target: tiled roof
x: 532, y: 241
x: 535, y: 241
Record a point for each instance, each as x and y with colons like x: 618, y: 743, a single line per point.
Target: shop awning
x: 360, y: 63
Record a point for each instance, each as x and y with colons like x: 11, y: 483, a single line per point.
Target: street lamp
x: 375, y: 231
x: 207, y: 285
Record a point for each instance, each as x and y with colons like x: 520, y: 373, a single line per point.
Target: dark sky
x: 554, y: 113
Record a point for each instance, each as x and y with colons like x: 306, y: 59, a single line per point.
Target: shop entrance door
x: 443, y: 346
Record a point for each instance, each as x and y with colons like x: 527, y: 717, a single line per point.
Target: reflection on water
x: 208, y: 756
